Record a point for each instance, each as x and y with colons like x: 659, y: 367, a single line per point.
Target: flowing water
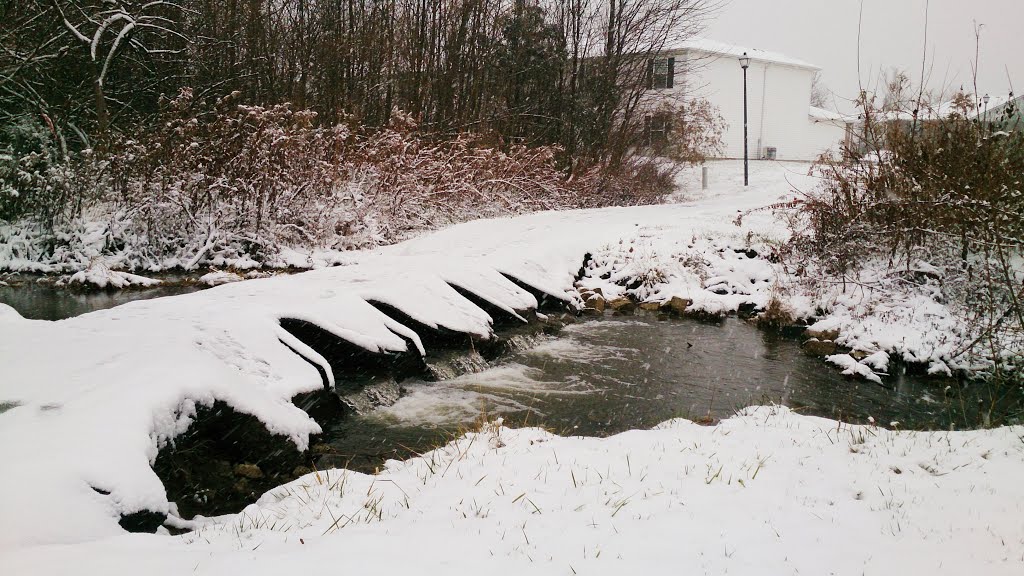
x: 605, y: 376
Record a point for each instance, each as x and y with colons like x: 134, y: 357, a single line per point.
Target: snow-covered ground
x: 97, y: 395
x: 766, y: 492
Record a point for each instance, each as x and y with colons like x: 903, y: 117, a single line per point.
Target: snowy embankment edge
x: 765, y: 491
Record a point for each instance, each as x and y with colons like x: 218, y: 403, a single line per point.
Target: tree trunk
x: 102, y: 116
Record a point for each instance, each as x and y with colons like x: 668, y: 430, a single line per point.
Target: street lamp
x: 985, y: 99
x: 745, y: 63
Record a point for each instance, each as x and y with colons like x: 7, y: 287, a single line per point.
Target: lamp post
x: 745, y: 63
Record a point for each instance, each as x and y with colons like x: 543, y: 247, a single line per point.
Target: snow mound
x: 100, y: 275
x: 219, y: 277
x: 127, y: 380
x: 878, y: 361
x: 8, y: 314
x: 717, y: 273
x: 907, y: 320
x: 851, y: 367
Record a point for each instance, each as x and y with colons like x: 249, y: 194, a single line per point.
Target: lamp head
x: 744, y: 61
x: 985, y: 99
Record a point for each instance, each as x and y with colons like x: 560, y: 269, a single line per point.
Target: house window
x: 659, y: 129
x: 661, y: 73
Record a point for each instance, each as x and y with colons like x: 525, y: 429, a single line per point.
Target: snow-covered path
x: 97, y: 394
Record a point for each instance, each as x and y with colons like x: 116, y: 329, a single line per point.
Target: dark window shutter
x: 647, y: 130
x: 671, y: 73
x: 650, y: 74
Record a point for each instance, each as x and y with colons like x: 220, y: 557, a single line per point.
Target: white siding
x: 778, y: 99
x: 824, y: 135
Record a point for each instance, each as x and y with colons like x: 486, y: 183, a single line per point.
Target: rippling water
x: 605, y: 376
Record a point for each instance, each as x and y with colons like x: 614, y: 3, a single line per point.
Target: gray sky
x: 824, y: 32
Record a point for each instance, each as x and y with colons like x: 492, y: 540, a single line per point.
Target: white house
x: 781, y: 121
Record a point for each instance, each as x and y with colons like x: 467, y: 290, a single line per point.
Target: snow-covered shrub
x: 227, y: 184
x: 693, y: 131
x: 939, y: 195
x: 408, y: 182
x: 233, y: 180
x: 635, y: 181
x: 36, y: 179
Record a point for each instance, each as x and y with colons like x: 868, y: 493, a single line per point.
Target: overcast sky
x: 824, y: 32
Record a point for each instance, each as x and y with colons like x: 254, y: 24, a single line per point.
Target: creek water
x: 46, y: 301
x: 605, y: 376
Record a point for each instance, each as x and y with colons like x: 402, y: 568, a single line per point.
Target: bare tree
x: 107, y: 28
x: 565, y: 72
x: 820, y: 93
x: 28, y: 47
x: 636, y: 32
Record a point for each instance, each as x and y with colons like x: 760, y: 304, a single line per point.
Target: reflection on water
x: 44, y: 301
x: 606, y: 376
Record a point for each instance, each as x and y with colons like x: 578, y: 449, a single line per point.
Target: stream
x: 604, y: 376
x: 45, y: 301
x: 601, y: 376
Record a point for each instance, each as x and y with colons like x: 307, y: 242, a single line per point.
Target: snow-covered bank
x: 766, y: 492
x: 97, y: 395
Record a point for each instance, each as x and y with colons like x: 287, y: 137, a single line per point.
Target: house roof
x: 993, y: 109
x: 822, y: 114
x: 996, y: 104
x: 716, y: 48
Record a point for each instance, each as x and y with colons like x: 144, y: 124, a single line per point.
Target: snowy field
x: 769, y: 492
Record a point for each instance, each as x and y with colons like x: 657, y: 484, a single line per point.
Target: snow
x: 851, y: 367
x: 100, y: 393
x: 939, y: 368
x: 8, y: 314
x: 719, y: 49
x: 765, y: 492
x: 879, y: 362
x: 219, y: 277
x: 99, y: 274
x: 877, y: 310
x: 28, y: 248
x: 816, y: 113
x: 704, y: 268
x: 94, y: 397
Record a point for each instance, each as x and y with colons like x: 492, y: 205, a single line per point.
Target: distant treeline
x: 550, y: 72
